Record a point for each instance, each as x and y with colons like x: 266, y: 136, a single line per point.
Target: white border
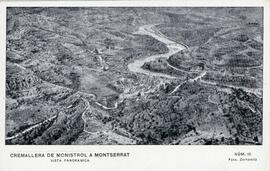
x: 196, y: 158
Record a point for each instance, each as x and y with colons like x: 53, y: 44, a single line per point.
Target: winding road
x: 31, y: 128
x: 174, y: 48
x: 136, y: 66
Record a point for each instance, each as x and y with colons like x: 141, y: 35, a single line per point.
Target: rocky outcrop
x: 20, y: 82
x: 19, y: 78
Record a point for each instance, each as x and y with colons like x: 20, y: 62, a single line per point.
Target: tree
x: 109, y: 43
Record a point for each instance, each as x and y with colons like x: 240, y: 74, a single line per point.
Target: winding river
x: 173, y: 49
x: 172, y: 46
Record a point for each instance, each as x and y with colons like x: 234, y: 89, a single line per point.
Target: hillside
x: 134, y: 76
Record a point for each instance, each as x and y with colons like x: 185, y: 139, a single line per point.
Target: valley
x: 159, y: 76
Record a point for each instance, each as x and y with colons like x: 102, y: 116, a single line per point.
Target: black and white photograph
x: 134, y: 76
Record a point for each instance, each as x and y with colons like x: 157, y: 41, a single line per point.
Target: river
x: 173, y: 48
